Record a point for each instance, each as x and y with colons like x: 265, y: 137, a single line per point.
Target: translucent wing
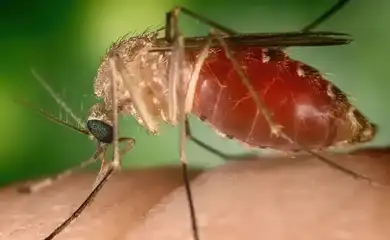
x: 287, y: 39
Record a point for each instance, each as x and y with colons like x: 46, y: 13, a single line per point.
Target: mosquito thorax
x: 147, y: 73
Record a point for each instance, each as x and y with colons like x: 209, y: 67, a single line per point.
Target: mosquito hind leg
x: 326, y: 15
x: 109, y: 170
x: 322, y: 18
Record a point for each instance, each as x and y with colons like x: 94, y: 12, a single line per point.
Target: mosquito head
x: 99, y: 123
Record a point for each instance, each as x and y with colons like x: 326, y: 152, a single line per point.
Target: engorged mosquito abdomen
x: 312, y: 111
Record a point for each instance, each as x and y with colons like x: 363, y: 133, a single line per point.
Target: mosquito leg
x: 130, y: 142
x: 116, y: 76
x: 109, y: 170
x: 177, y: 87
x: 85, y: 203
x: 37, y: 186
x: 326, y: 15
x: 102, y: 164
x: 114, y: 104
x: 173, y: 67
x: 114, y: 165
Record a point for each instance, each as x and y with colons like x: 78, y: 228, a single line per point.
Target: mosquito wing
x: 287, y: 39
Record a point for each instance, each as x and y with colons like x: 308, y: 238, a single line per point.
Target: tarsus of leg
x: 36, y: 186
x: 85, y: 204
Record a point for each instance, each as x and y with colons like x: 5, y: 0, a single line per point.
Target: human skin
x: 283, y: 199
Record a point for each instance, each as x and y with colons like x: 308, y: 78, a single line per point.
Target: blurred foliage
x: 64, y: 41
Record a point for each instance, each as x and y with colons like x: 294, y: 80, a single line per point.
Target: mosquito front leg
x: 37, y: 186
x: 129, y: 144
x: 103, y: 177
x: 115, y: 77
x: 88, y: 200
x: 114, y: 165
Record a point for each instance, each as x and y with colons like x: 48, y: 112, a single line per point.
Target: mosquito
x: 242, y: 85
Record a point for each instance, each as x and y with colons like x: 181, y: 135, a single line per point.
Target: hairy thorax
x: 148, y: 74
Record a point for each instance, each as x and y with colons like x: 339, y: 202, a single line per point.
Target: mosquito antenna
x: 51, y: 117
x: 325, y: 16
x: 56, y: 97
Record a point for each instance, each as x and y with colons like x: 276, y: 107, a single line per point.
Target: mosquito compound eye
x: 100, y: 130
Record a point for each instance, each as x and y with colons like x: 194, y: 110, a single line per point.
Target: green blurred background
x: 64, y: 41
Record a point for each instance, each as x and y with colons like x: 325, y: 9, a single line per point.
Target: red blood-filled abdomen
x: 312, y: 111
